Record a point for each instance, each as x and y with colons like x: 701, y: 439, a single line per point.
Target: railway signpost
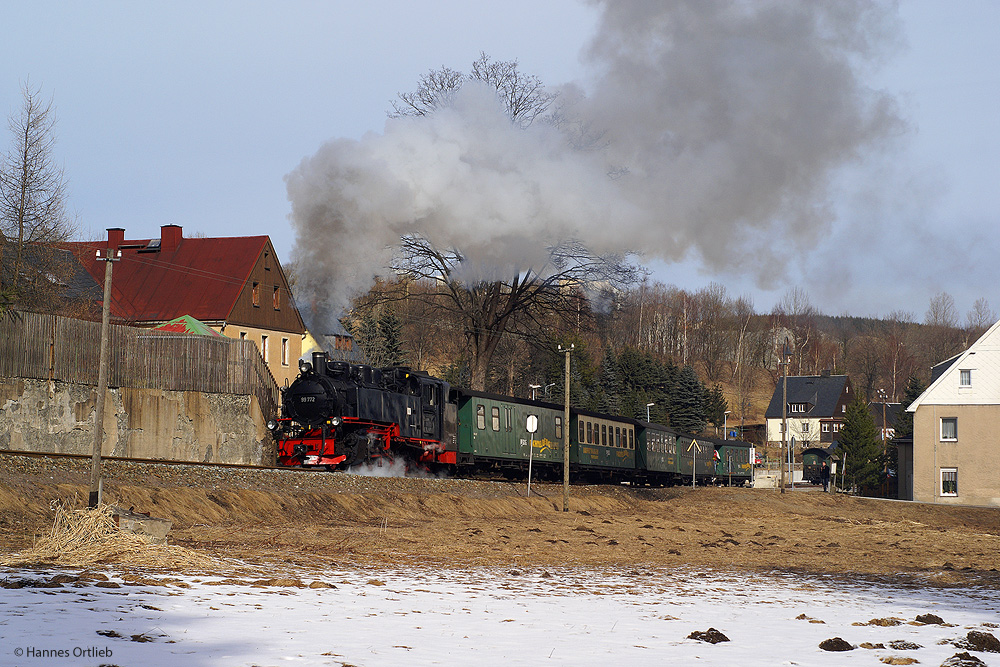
x: 531, y: 427
x: 694, y: 448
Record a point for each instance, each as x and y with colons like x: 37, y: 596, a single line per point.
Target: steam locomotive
x: 339, y: 415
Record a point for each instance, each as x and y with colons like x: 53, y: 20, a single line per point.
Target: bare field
x: 280, y: 518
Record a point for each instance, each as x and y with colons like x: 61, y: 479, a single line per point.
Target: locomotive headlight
x: 305, y: 366
x: 272, y: 425
x: 335, y: 421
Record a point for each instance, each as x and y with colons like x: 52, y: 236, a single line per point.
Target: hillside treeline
x: 692, y: 355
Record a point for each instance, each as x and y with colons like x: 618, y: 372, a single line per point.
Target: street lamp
x: 533, y: 387
x: 648, y: 406
x: 725, y: 421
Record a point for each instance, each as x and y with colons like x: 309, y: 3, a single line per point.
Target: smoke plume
x: 705, y: 128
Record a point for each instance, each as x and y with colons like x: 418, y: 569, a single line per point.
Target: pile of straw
x: 90, y: 536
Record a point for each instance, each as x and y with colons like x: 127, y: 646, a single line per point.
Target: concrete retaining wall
x: 41, y: 416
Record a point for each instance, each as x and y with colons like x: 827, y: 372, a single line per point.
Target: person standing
x: 824, y: 473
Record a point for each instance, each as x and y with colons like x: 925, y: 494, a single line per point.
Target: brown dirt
x: 277, y: 518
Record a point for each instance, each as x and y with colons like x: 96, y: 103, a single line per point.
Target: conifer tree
x: 715, y: 406
x: 390, y: 331
x: 688, y: 405
x: 903, y: 427
x: 861, y: 447
x: 611, y: 386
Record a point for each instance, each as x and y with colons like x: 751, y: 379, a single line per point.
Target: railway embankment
x: 276, y: 517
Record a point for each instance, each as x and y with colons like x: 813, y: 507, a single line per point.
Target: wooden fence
x: 50, y: 347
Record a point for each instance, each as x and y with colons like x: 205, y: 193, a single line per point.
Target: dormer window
x: 797, y: 407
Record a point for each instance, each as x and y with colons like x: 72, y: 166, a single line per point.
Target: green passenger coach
x: 601, y: 445
x: 492, y: 433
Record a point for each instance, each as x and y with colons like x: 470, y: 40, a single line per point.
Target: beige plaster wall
x: 974, y: 454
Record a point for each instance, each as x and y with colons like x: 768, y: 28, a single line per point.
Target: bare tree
x: 524, y: 305
x: 523, y: 95
x: 978, y: 320
x: 32, y: 205
x: 941, y: 312
x: 797, y: 314
x: 899, y: 363
x: 941, y: 335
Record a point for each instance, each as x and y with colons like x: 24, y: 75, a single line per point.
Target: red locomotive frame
x: 318, y: 446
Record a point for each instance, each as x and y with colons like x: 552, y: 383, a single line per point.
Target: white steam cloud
x: 716, y: 127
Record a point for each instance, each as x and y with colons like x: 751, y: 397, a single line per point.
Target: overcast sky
x: 194, y: 113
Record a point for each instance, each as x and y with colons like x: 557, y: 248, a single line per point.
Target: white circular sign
x: 532, y: 425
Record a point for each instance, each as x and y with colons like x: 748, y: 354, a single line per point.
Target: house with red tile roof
x: 235, y: 285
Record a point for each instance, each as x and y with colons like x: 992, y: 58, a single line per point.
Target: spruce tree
x: 611, y: 387
x: 390, y: 331
x: 688, y: 409
x: 715, y: 406
x: 903, y: 427
x: 861, y: 446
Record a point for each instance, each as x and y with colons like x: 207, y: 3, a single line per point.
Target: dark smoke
x: 716, y: 127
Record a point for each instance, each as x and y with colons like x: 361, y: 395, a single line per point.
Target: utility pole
x: 567, y: 350
x: 784, y: 411
x: 110, y: 256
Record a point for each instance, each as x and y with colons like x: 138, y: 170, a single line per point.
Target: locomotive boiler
x: 339, y: 415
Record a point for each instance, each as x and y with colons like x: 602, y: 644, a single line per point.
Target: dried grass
x: 90, y: 536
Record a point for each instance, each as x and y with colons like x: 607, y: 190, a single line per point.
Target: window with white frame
x: 949, y: 481
x: 965, y: 378
x: 263, y: 347
x: 949, y: 428
x: 284, y: 351
x: 805, y: 427
x: 826, y: 428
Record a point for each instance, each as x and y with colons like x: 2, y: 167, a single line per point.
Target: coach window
x: 590, y: 433
x: 559, y: 433
x: 949, y: 481
x: 481, y: 417
x: 618, y: 436
x: 508, y: 418
x: 495, y: 414
x: 582, y: 433
x: 631, y: 439
x: 604, y: 434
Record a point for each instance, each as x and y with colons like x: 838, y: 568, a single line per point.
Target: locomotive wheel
x: 355, y: 449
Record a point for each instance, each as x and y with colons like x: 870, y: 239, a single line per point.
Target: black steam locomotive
x: 339, y: 415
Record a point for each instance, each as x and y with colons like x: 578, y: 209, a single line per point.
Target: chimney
x: 116, y: 236
x: 826, y: 372
x: 170, y: 237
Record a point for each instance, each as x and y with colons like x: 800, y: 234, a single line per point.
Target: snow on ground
x: 483, y: 618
